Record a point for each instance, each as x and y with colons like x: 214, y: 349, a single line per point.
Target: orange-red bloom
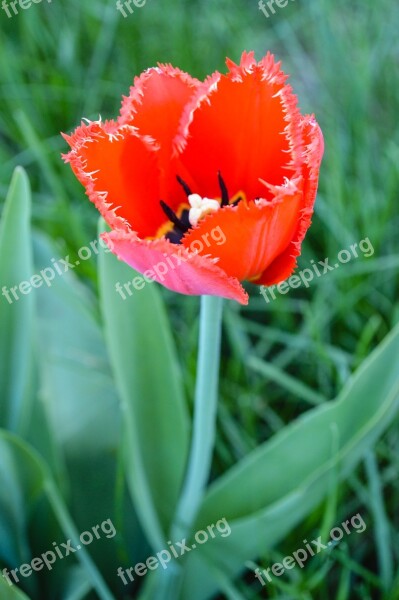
x: 187, y: 158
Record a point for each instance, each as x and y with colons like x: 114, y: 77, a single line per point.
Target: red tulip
x: 205, y: 184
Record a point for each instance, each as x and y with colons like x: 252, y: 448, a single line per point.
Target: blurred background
x: 65, y: 60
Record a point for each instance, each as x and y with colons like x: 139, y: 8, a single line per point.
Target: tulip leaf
x: 11, y: 593
x: 20, y: 482
x: 77, y: 586
x: 265, y: 495
x: 24, y: 477
x: 80, y: 400
x: 20, y: 409
x: 148, y: 378
x: 16, y: 308
x: 78, y: 390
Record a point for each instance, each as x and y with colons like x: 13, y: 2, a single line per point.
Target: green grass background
x: 71, y: 59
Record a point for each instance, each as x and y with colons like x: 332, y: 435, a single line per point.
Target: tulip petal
x: 255, y: 233
x: 174, y: 266
x: 244, y: 124
x: 156, y: 101
x: 237, y: 138
x: 119, y: 169
x: 154, y: 106
x: 284, y: 264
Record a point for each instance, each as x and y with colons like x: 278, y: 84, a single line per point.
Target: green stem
x: 203, y: 435
x: 205, y: 409
x: 69, y: 529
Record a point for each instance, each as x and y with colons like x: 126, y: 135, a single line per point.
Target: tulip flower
x: 186, y: 158
x: 204, y: 185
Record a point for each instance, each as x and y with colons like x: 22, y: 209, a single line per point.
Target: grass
x: 67, y: 60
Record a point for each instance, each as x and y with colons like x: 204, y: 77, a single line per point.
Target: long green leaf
x: 81, y: 403
x: 146, y: 370
x: 28, y: 474
x: 16, y: 308
x: 265, y: 495
x: 77, y: 587
x: 19, y: 487
x: 8, y: 592
x: 77, y: 387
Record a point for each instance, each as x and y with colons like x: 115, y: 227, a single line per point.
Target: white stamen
x: 200, y: 207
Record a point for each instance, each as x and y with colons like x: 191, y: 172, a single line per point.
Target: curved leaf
x: 21, y: 480
x: 11, y: 593
x: 82, y: 405
x: 30, y: 478
x: 77, y: 587
x: 16, y: 308
x: 265, y: 495
x: 147, y: 373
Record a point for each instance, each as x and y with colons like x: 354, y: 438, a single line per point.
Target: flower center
x: 189, y: 215
x: 200, y: 207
